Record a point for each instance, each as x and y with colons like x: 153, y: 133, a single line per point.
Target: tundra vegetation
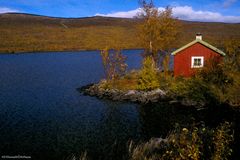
x: 31, y: 33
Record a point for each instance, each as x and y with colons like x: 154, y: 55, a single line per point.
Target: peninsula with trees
x: 213, y: 80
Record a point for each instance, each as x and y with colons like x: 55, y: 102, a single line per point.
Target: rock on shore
x: 142, y: 97
x: 130, y: 95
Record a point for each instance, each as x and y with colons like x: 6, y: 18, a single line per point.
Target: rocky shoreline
x: 140, y: 97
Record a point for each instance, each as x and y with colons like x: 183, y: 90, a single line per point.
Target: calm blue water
x: 42, y: 114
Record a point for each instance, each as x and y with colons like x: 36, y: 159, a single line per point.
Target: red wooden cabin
x: 194, y: 55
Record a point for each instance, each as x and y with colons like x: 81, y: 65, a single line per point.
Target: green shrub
x: 232, y: 95
x: 148, y: 77
x: 214, y: 83
x: 193, y: 89
x: 223, y: 81
x: 214, y: 73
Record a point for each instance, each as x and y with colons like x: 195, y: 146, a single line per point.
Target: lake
x: 42, y: 114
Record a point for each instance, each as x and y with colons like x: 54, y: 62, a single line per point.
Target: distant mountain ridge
x: 28, y: 32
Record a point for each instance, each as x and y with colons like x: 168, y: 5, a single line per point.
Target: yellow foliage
x: 222, y: 139
x: 113, y: 63
x: 148, y: 77
x: 158, y: 30
x: 192, y: 143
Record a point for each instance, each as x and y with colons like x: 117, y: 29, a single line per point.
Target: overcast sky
x: 194, y: 10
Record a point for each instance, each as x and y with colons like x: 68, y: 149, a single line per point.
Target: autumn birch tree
x: 158, y: 29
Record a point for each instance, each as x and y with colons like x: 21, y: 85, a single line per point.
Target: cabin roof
x: 201, y: 42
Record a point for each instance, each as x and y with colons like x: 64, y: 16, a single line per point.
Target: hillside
x: 25, y: 33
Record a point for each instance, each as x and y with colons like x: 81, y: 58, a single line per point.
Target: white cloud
x: 187, y: 13
x: 228, y: 3
x: 127, y: 14
x: 7, y: 10
x: 184, y: 13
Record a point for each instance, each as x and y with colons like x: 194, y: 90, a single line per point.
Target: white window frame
x: 197, y: 57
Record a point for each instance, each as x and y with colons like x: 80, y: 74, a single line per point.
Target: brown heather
x: 27, y: 33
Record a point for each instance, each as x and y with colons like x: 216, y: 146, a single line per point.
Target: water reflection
x: 114, y: 131
x: 158, y: 120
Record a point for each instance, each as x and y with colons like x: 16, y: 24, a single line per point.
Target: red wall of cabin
x: 182, y: 60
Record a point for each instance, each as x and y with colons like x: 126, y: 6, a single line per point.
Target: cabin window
x: 197, y: 62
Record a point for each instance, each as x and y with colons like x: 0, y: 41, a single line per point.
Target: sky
x: 192, y: 10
